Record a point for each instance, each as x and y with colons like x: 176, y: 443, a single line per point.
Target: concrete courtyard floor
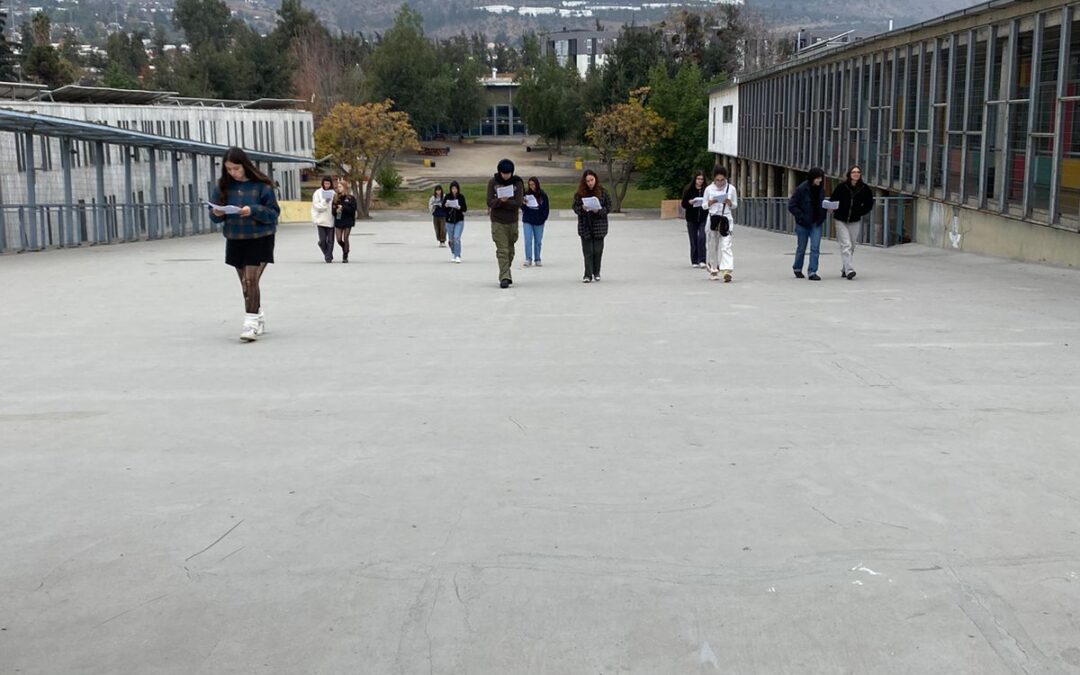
x: 417, y: 472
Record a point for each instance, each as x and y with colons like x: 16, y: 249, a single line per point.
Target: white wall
x: 724, y: 136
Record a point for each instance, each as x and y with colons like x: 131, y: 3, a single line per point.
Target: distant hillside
x: 508, y: 19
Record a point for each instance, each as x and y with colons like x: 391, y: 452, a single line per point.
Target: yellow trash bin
x: 578, y: 164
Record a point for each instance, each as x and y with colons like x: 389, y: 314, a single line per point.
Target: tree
x: 462, y: 70
x: 404, y: 68
x: 205, y: 23
x: 41, y: 61
x: 550, y: 102
x: 360, y: 140
x: 638, y: 50
x: 7, y: 55
x: 624, y: 134
x: 684, y: 102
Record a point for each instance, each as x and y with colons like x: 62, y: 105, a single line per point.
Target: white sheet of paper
x: 227, y: 210
x: 328, y: 195
x: 697, y: 201
x: 504, y: 192
x: 829, y: 206
x: 591, y: 203
x: 531, y: 202
x: 453, y: 204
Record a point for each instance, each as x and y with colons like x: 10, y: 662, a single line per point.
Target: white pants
x: 713, y: 243
x: 846, y: 235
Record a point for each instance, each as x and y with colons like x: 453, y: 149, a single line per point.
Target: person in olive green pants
x: 504, y: 217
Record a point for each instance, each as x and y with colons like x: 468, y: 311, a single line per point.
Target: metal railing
x: 891, y: 222
x: 34, y: 228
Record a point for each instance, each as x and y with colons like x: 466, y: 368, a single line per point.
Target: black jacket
x: 855, y: 202
x: 695, y: 215
x: 805, y: 205
x: 455, y: 215
x: 345, y: 211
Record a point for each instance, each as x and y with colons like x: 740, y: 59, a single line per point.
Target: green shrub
x: 389, y: 181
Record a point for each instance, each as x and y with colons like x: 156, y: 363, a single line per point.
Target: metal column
x: 1063, y: 63
x: 198, y: 214
x: 152, y: 202
x: 1033, y: 89
x: 67, y: 150
x: 174, y: 209
x: 129, y: 197
x: 30, y: 236
x: 99, y: 211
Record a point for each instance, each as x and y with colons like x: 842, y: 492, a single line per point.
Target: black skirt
x: 248, y: 252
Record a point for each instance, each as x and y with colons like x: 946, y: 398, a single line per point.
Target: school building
x: 972, y: 115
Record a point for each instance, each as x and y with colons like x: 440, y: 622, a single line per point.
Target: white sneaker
x: 539, y: 264
x: 260, y: 328
x: 457, y: 258
x: 250, y: 331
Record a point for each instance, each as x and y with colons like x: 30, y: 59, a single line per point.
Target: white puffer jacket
x: 322, y: 213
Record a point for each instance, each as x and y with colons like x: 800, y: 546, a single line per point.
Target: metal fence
x: 33, y: 228
x: 891, y: 222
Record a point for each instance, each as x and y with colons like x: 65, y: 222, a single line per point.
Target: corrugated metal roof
x: 60, y: 127
x: 74, y: 93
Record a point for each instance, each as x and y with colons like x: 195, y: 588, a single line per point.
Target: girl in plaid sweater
x: 247, y: 210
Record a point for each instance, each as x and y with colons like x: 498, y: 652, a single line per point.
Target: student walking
x: 249, y: 221
x: 592, y: 205
x: 323, y: 217
x: 721, y: 198
x: 455, y: 207
x: 504, y: 197
x: 534, y: 214
x: 438, y: 214
x: 805, y: 205
x: 855, y: 200
x: 697, y: 217
x: 344, y: 217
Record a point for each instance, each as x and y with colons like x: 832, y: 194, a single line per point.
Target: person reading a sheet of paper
x: 533, y: 217
x: 244, y: 204
x: 505, y: 194
x: 697, y: 217
x: 851, y: 201
x: 591, y: 204
x: 322, y: 216
x: 721, y: 198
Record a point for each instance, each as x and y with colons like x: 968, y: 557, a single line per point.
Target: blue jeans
x: 534, y: 235
x: 813, y: 234
x: 453, y: 234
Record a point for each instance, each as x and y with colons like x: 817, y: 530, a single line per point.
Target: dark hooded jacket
x: 505, y: 212
x: 455, y: 215
x: 805, y: 202
x: 537, y: 216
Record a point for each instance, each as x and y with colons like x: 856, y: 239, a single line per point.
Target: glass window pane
x: 1045, y: 96
x: 959, y: 81
x: 971, y: 178
x: 936, y: 179
x: 1043, y: 157
x: 978, y: 87
x: 1022, y: 76
x: 1017, y: 156
x: 953, y: 162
